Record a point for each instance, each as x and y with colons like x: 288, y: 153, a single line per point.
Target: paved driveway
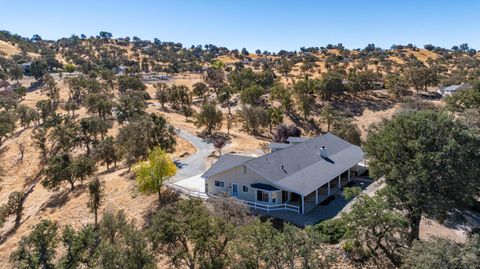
x: 196, y: 163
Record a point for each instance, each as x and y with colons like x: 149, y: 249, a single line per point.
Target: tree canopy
x: 427, y: 161
x: 152, y: 173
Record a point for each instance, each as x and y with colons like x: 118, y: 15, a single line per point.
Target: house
x: 121, y: 70
x: 378, y: 85
x: 449, y: 90
x: 297, y: 177
x: 27, y: 71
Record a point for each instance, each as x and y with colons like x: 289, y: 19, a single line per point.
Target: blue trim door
x: 234, y: 189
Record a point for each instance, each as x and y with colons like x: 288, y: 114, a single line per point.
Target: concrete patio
x: 320, y: 212
x: 193, y: 186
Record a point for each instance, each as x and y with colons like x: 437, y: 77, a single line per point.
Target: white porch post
x: 348, y: 174
x: 328, y: 188
x: 316, y: 196
x: 269, y: 201
x: 303, y: 205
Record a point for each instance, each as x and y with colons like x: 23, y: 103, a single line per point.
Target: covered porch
x: 321, y: 194
x: 328, y: 209
x: 271, y: 198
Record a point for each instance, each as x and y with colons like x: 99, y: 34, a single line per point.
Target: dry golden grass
x: 71, y: 209
x: 8, y: 48
x: 370, y: 117
x: 227, y: 59
x: 422, y: 54
x: 64, y: 207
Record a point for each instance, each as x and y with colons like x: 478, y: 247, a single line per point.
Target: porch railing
x: 272, y: 207
x: 186, y: 191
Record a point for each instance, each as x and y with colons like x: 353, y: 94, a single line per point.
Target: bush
x: 355, y: 251
x: 333, y: 230
x: 70, y: 68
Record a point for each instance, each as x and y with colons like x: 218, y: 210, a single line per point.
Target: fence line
x: 255, y: 205
x: 187, y: 191
x: 270, y: 207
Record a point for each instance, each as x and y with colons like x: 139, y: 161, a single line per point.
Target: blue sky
x: 263, y: 24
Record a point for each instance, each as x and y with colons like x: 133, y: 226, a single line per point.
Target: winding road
x: 196, y: 163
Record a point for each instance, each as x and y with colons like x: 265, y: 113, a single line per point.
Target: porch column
x: 348, y: 174
x: 303, y: 205
x: 316, y: 196
x: 328, y: 188
x: 339, y: 181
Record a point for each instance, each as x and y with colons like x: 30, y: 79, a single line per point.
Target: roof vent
x: 283, y: 168
x: 323, y: 152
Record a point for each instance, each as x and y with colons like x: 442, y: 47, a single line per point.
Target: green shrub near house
x: 333, y: 230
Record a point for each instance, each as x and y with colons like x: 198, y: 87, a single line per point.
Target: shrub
x: 70, y: 68
x: 333, y: 230
x: 355, y: 251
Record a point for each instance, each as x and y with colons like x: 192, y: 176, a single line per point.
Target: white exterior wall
x: 242, y: 176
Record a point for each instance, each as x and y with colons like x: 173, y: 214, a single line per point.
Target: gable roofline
x: 293, y: 145
x: 301, y: 175
x: 222, y: 164
x: 343, y: 154
x: 267, y: 179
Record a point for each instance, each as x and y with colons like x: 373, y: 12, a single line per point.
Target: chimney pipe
x: 323, y: 152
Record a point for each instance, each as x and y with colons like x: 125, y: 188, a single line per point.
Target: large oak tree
x: 430, y: 162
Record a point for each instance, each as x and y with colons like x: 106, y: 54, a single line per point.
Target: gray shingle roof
x: 319, y: 173
x: 293, y: 139
x: 224, y: 163
x: 298, y: 168
x: 278, y: 145
x: 303, y: 168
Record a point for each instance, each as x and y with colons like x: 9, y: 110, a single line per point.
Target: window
x: 245, y: 189
x: 262, y: 196
x: 219, y: 184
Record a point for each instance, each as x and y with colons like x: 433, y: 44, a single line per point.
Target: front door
x: 234, y: 189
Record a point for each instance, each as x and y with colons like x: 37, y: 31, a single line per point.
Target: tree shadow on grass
x: 465, y: 220
x: 128, y: 174
x: 112, y: 169
x: 60, y: 198
x: 371, y: 100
